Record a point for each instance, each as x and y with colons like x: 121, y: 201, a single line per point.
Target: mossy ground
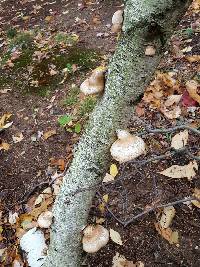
x: 39, y: 80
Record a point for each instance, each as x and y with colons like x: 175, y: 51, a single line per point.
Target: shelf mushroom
x: 95, y: 83
x: 95, y: 237
x: 117, y: 21
x: 45, y: 219
x: 127, y: 147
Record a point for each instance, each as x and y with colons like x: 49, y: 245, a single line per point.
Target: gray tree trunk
x: 129, y: 72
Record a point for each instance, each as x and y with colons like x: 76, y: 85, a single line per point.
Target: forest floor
x: 47, y: 48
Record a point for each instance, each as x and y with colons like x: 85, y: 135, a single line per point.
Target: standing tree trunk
x: 145, y: 21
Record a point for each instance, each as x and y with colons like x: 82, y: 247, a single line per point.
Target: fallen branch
x: 128, y: 74
x: 170, y: 130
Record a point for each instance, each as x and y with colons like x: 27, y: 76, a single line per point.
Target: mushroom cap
x: 45, y: 219
x: 95, y: 83
x: 116, y: 27
x: 150, y: 50
x: 95, y: 237
x: 117, y: 17
x: 127, y: 147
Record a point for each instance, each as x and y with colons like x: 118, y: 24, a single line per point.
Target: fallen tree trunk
x: 128, y: 74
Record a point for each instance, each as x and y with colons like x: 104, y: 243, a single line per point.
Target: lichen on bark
x: 128, y: 73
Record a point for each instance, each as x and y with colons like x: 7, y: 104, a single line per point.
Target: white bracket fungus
x: 95, y: 237
x: 127, y: 147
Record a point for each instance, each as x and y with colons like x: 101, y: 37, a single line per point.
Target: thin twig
x: 169, y: 130
x: 108, y: 209
x: 157, y: 207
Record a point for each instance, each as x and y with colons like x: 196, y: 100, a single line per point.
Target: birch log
x: 129, y: 73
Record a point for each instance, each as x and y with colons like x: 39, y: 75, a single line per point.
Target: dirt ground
x: 25, y: 164
x: 30, y: 163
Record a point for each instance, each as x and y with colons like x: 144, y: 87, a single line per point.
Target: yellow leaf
x: 197, y: 195
x: 105, y: 198
x: 3, y: 120
x: 113, y: 170
x: 48, y: 19
x: 102, y: 205
x: 4, y: 146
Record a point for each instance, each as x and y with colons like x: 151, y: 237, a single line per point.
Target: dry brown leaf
x: 121, y: 261
x: 171, y: 114
x: 3, y: 119
x: 172, y: 99
x: 193, y: 58
x: 60, y: 163
x: 192, y: 87
x: 197, y: 195
x: 115, y: 237
x: 161, y: 87
x: 168, y: 234
x: 180, y: 140
x: 43, y: 207
x: 186, y: 171
x: 4, y: 146
x: 49, y: 134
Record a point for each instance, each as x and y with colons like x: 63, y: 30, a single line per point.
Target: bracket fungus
x: 95, y: 237
x: 117, y: 21
x: 45, y: 219
x: 95, y: 83
x: 127, y: 147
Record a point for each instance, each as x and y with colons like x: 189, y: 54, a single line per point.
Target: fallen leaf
x: 168, y: 234
x: 171, y: 114
x: 4, y: 146
x: 191, y: 87
x: 60, y: 163
x: 115, y: 236
x: 3, y: 120
x: 18, y: 138
x: 102, y: 205
x: 113, y: 170
x: 48, y: 19
x: 180, y: 140
x: 186, y: 171
x: 121, y: 261
x: 187, y: 100
x: 167, y: 216
x: 172, y: 99
x: 49, y: 134
x: 197, y: 195
x: 193, y: 58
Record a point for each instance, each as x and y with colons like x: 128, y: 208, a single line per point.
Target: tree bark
x: 129, y: 73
